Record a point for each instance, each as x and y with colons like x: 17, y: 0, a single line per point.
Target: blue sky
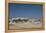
x: 25, y: 10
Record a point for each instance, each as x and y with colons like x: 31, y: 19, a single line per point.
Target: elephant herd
x: 24, y: 20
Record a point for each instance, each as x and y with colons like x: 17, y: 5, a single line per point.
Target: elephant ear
x: 25, y: 20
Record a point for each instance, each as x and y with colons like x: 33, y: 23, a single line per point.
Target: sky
x: 25, y: 10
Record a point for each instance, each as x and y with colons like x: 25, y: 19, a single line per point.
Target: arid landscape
x: 25, y: 16
x: 24, y: 23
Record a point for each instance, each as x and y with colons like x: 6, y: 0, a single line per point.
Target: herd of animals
x: 22, y: 20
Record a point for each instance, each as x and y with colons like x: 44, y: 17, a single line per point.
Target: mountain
x: 21, y: 18
x: 24, y: 19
